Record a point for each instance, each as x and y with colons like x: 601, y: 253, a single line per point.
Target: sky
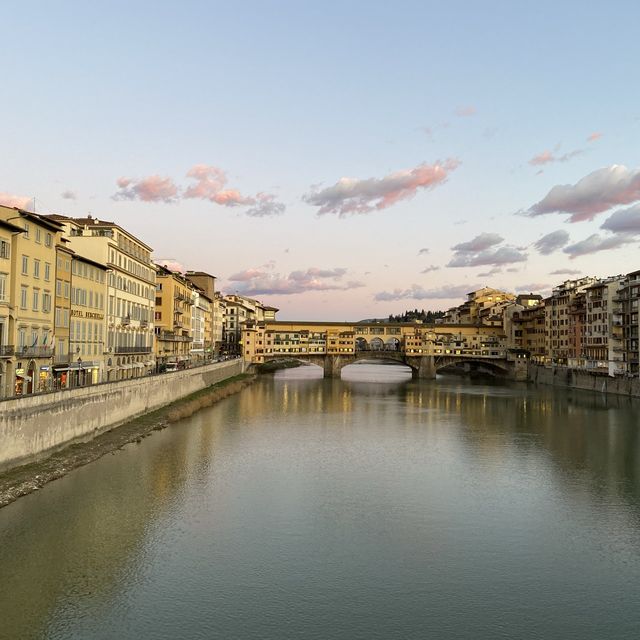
x: 337, y: 160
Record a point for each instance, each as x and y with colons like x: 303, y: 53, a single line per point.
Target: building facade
x: 130, y: 292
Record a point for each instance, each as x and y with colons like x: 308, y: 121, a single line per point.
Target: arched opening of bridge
x: 472, y: 369
x: 392, y: 344
x: 362, y: 344
x: 376, y: 344
x: 377, y: 370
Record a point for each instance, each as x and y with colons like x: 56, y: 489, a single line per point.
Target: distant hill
x: 427, y: 317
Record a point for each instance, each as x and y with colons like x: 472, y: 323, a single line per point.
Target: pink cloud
x: 151, y: 189
x: 171, y: 264
x: 600, y: 190
x: 547, y: 157
x: 9, y: 200
x: 210, y: 183
x: 351, y: 196
x: 542, y: 158
x: 596, y: 135
x: 466, y: 111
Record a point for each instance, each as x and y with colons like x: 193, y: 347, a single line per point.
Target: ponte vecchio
x: 426, y: 349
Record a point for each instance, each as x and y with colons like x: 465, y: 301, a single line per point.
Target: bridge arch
x: 377, y: 344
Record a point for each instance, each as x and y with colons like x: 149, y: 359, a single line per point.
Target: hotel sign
x: 78, y: 313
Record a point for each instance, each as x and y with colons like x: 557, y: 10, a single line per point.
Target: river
x: 372, y: 507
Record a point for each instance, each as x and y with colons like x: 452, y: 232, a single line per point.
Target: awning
x: 126, y: 366
x: 138, y: 365
x: 23, y: 376
x: 61, y: 368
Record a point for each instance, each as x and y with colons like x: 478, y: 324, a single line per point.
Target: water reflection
x: 372, y: 506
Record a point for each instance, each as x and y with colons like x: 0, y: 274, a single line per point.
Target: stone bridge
x: 422, y: 366
x: 425, y: 349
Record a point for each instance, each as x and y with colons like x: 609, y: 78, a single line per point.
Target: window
x: 26, y: 230
x: 47, y: 271
x: 46, y: 302
x: 47, y: 240
x: 38, y: 235
x: 3, y: 287
x: 59, y: 288
x: 66, y: 289
x: 36, y: 268
x: 5, y: 249
x: 25, y: 265
x: 23, y: 297
x: 36, y: 299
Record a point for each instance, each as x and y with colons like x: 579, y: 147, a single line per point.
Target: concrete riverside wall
x: 31, y: 427
x: 577, y: 379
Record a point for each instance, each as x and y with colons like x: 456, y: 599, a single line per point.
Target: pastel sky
x: 339, y: 160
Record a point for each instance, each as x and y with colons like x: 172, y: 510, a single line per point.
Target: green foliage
x: 427, y: 317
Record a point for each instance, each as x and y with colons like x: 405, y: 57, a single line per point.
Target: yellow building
x: 273, y: 339
x: 89, y: 357
x: 32, y: 283
x: 173, y: 302
x: 7, y: 347
x: 130, y: 291
x: 62, y: 317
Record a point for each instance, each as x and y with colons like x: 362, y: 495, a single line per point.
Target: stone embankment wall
x: 32, y: 427
x: 576, y: 379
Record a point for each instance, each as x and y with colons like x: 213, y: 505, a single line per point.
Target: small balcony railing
x: 132, y: 349
x: 6, y: 350
x: 35, y: 352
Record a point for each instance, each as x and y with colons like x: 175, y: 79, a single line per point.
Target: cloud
x: 542, y: 158
x: 547, y: 157
x: 492, y: 257
x: 479, y: 243
x: 209, y: 183
x: 416, y: 292
x: 551, y: 242
x: 433, y: 267
x: 171, y: 264
x: 512, y: 270
x: 595, y: 243
x: 532, y: 287
x: 151, y: 189
x: 68, y: 195
x: 264, y: 281
x: 423, y: 251
x: 596, y: 135
x: 466, y: 111
x: 565, y: 272
x: 489, y: 274
x: 352, y: 196
x: 266, y: 205
x: 600, y: 190
x: 482, y: 251
x: 626, y: 221
x: 10, y: 200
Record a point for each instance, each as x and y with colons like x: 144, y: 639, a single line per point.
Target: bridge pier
x: 333, y: 365
x: 425, y: 369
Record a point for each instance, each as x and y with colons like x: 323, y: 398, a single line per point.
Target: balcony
x: 120, y: 350
x: 144, y: 324
x: 34, y: 352
x: 169, y: 336
x: 6, y: 350
x: 126, y: 321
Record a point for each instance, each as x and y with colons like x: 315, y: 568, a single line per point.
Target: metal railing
x: 119, y: 349
x: 6, y: 350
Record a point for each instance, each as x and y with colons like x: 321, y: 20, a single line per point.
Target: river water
x: 372, y: 507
